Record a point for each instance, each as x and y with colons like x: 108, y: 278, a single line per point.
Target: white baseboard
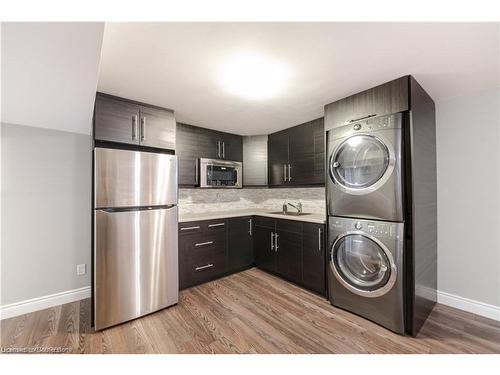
x: 40, y: 303
x: 469, y: 305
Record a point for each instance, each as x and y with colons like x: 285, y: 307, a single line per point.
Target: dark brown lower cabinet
x: 291, y: 249
x: 240, y: 243
x: 264, y: 248
x: 202, y: 252
x: 313, y: 257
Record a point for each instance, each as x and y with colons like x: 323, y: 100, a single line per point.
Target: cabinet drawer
x: 198, y: 246
x: 191, y: 228
x: 204, y: 269
x: 214, y: 226
x: 202, y: 227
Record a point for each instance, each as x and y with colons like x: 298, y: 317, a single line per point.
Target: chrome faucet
x: 297, y: 206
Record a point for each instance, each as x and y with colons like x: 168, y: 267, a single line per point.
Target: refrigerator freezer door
x: 134, y: 179
x: 135, y: 263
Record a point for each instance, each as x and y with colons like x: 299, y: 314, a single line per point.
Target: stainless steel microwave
x: 215, y: 173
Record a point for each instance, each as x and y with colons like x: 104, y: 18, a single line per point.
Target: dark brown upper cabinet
x: 187, y: 154
x: 194, y: 142
x: 296, y: 155
x: 157, y: 128
x: 277, y: 154
x: 391, y: 97
x: 126, y: 121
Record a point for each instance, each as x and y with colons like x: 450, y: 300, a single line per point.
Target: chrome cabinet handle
x: 143, y: 128
x: 289, y: 173
x: 134, y: 127
x: 276, y: 247
x: 223, y: 150
x: 199, y: 268
x: 250, y: 225
x: 218, y: 149
x: 272, y: 241
x: 190, y: 228
x: 196, y: 173
x: 319, y: 239
x: 284, y: 172
x: 204, y: 243
x: 215, y: 225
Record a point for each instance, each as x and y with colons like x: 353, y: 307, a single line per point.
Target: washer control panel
x: 379, y: 229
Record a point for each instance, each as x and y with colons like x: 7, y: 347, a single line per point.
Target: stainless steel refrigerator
x: 135, y: 234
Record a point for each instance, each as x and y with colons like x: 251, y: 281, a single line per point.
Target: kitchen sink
x: 289, y: 213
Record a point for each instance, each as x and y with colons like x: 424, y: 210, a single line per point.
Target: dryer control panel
x: 379, y: 229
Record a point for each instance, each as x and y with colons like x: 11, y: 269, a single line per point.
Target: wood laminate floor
x: 249, y: 312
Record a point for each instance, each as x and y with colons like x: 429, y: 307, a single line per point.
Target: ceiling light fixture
x: 253, y: 76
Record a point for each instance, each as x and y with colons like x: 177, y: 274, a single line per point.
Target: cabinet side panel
x: 424, y: 203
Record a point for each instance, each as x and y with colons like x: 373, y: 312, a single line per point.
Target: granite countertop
x: 310, y: 218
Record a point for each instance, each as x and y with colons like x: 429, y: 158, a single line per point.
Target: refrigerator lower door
x: 135, y: 263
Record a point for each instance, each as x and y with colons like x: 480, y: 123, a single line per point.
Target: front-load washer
x: 365, y: 269
x: 365, y: 169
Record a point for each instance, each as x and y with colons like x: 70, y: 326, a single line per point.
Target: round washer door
x: 360, y: 162
x: 363, y: 265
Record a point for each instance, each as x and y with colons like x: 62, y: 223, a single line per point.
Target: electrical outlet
x: 81, y: 269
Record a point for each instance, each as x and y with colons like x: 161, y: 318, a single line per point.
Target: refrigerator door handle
x: 129, y: 209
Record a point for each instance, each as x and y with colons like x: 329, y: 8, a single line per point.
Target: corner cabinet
x: 125, y: 121
x: 296, y: 155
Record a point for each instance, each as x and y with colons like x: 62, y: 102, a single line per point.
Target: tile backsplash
x: 210, y: 200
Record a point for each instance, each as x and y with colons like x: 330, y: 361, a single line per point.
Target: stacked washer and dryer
x: 373, y: 169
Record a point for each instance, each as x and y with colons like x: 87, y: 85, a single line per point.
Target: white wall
x: 46, y: 211
x: 48, y: 83
x: 468, y: 178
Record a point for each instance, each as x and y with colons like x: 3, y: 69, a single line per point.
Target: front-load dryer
x: 365, y: 269
x: 365, y: 169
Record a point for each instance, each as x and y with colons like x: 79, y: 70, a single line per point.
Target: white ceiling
x: 175, y: 65
x: 49, y: 74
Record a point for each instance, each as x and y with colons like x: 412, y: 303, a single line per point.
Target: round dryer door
x: 363, y: 265
x: 359, y: 162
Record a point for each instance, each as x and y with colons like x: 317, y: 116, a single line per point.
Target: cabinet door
x: 116, y: 120
x: 232, y: 147
x: 187, y: 154
x: 289, y: 251
x: 313, y: 257
x: 157, y: 128
x: 240, y: 243
x: 255, y: 160
x: 301, y: 157
x: 390, y: 97
x: 277, y: 146
x: 265, y: 256
x: 289, y: 255
x: 208, y: 144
